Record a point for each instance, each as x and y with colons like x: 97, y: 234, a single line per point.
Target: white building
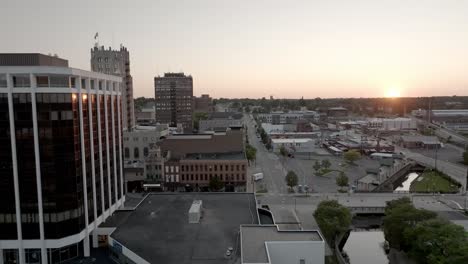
x: 137, y: 142
x: 266, y: 244
x: 300, y: 145
x: 392, y: 124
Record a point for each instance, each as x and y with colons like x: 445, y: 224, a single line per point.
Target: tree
x: 342, y: 180
x: 351, y: 156
x: 317, y: 166
x: 326, y: 164
x: 437, y: 241
x: 250, y: 152
x: 283, y: 151
x: 268, y: 145
x: 215, y: 184
x: 291, y: 179
x: 465, y: 157
x: 333, y: 219
x: 399, y: 216
x: 247, y: 109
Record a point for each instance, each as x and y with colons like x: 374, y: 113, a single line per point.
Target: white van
x: 258, y: 176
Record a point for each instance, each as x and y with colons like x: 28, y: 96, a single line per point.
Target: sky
x: 259, y: 48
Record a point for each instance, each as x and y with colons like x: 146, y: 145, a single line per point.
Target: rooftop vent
x: 195, y: 212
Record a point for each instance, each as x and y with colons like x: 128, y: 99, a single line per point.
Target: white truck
x: 258, y: 176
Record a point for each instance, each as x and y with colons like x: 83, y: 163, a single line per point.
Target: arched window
x: 145, y: 152
x: 127, y: 153
x: 136, y: 153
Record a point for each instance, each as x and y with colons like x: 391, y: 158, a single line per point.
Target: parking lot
x: 327, y: 182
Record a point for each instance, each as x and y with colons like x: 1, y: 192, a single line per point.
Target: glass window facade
x: 7, y: 196
x: 60, y: 155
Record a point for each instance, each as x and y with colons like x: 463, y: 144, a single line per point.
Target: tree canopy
x: 333, y: 219
x: 342, y: 180
x: 283, y: 151
x: 291, y: 179
x: 424, y: 236
x: 399, y: 216
x: 215, y: 184
x: 465, y: 157
x: 250, y: 152
x: 351, y: 156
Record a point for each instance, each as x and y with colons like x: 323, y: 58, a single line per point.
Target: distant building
x: 220, y: 122
x: 392, y: 124
x: 456, y: 119
x: 288, y: 118
x: 203, y: 104
x: 428, y: 142
x: 195, y: 159
x: 146, y: 115
x: 173, y: 97
x: 60, y: 157
x: 337, y: 112
x: 137, y: 145
x: 117, y: 62
x: 293, y: 145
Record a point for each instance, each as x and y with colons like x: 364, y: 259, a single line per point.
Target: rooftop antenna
x: 96, y: 39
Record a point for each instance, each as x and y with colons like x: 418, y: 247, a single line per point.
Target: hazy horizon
x: 241, y: 49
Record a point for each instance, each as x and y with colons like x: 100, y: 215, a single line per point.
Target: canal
x: 405, y: 186
x: 366, y: 247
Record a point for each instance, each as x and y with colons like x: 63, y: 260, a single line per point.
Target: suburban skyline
x: 305, y: 48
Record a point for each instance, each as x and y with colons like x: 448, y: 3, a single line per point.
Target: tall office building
x: 60, y: 157
x: 173, y: 99
x: 117, y: 62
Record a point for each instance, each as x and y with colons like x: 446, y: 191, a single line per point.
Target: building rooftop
x: 215, y: 156
x: 159, y: 232
x: 290, y: 140
x: 423, y: 139
x: 31, y: 59
x: 254, y: 240
x: 181, y: 145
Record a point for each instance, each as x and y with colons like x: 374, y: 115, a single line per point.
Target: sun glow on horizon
x: 392, y: 92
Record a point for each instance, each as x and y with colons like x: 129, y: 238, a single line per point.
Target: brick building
x: 196, y: 159
x: 203, y: 104
x: 173, y: 100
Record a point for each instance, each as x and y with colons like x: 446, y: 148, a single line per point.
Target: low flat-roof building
x: 300, y: 145
x: 266, y: 244
x: 159, y: 230
x: 419, y: 142
x: 220, y: 122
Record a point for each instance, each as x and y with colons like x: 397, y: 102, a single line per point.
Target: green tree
x: 283, y: 151
x: 342, y: 180
x: 465, y: 157
x: 326, y: 164
x: 399, y: 216
x: 317, y: 166
x: 250, y: 152
x: 351, y: 156
x: 215, y: 184
x: 247, y: 109
x: 437, y: 241
x: 291, y: 179
x: 333, y: 219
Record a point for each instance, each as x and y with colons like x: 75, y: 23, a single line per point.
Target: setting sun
x: 392, y: 92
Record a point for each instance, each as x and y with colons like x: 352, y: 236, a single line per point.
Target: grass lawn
x: 433, y: 181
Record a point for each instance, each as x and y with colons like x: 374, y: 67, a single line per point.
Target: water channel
x: 405, y: 187
x: 366, y: 247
